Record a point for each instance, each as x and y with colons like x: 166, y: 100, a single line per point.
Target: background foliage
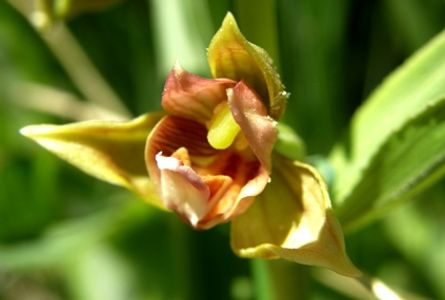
x: 64, y: 235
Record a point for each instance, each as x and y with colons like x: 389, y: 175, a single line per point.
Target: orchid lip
x: 183, y: 189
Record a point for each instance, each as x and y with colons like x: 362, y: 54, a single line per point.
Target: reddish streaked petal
x: 173, y: 133
x: 251, y: 115
x: 188, y: 162
x: 218, y: 185
x: 182, y: 189
x: 193, y: 97
x: 249, y: 180
x: 292, y: 219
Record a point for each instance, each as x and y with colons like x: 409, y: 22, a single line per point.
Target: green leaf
x: 64, y: 240
x: 409, y: 161
x: 231, y: 56
x: 70, y: 8
x: 110, y: 151
x: 416, y: 231
x: 404, y: 96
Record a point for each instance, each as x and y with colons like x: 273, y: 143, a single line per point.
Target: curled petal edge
x: 259, y: 129
x: 292, y: 219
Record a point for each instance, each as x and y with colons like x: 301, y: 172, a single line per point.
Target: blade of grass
x: 77, y: 64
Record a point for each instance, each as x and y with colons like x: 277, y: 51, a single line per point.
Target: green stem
x: 180, y: 250
x: 176, y: 34
x: 76, y: 63
x: 68, y: 106
x: 279, y: 280
x: 81, y: 70
x: 263, y: 288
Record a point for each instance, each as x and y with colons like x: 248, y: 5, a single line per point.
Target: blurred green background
x: 64, y: 235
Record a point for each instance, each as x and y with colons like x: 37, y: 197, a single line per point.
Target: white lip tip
x: 167, y: 162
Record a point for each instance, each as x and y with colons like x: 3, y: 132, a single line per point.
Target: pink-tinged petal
x: 191, y: 96
x: 259, y: 129
x: 292, y: 219
x: 232, y: 179
x: 182, y: 189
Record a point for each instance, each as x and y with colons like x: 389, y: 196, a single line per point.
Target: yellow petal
x: 110, y: 151
x: 231, y: 56
x: 292, y: 219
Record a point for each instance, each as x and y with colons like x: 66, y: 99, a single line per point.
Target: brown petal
x: 249, y: 179
x: 251, y: 115
x: 232, y: 179
x: 193, y: 97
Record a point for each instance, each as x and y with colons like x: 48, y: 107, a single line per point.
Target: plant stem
x: 175, y: 31
x: 56, y: 102
x: 279, y: 280
x: 81, y: 70
x: 76, y: 63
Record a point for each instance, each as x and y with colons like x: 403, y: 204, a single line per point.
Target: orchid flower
x: 210, y: 158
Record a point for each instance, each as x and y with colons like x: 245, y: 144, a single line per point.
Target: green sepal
x: 231, y: 56
x: 289, y: 143
x: 110, y: 151
x: 292, y: 219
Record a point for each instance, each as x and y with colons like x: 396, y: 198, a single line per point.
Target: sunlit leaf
x: 292, y: 219
x: 231, y: 56
x: 408, y: 162
x: 110, y: 151
x: 419, y: 83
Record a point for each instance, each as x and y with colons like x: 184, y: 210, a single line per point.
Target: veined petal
x: 251, y: 115
x: 172, y: 133
x: 232, y: 178
x: 110, y: 151
x: 182, y: 189
x: 230, y: 55
x: 248, y: 181
x: 191, y: 96
x: 292, y: 219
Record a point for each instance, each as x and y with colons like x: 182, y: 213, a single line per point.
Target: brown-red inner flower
x: 204, y: 185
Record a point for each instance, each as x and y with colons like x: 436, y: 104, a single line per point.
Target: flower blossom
x: 211, y: 154
x: 210, y: 158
